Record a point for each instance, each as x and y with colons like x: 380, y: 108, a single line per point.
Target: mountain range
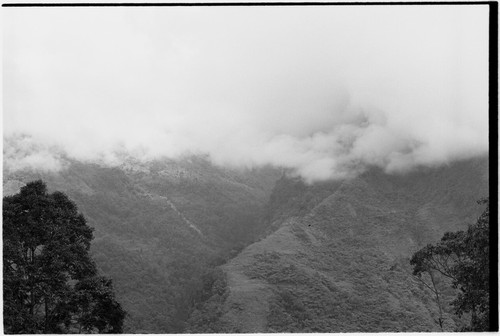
x: 338, y: 258
x: 194, y: 247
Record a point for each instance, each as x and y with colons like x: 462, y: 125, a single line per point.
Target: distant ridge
x: 337, y: 260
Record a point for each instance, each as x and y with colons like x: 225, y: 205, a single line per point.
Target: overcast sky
x: 321, y: 90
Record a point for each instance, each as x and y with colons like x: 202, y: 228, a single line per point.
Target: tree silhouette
x: 463, y: 257
x: 51, y: 284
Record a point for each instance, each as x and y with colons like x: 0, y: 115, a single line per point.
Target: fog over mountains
x: 256, y: 169
x: 348, y: 87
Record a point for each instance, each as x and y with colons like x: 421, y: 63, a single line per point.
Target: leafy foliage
x: 51, y: 284
x: 463, y: 256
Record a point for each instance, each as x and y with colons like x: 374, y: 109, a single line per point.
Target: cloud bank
x: 324, y: 91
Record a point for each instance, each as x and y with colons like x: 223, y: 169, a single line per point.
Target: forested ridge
x: 338, y: 259
x: 157, y: 262
x: 192, y: 247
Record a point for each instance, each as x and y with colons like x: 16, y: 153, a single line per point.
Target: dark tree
x: 50, y: 282
x: 463, y: 257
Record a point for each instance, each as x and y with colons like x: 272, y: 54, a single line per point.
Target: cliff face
x: 338, y: 259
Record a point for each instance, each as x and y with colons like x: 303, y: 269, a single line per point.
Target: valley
x: 192, y: 247
x: 160, y: 228
x: 210, y: 168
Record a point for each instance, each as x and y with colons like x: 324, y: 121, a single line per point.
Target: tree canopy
x: 51, y: 284
x: 463, y: 257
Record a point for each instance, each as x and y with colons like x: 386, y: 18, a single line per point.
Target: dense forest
x: 338, y: 258
x: 157, y: 261
x: 191, y: 247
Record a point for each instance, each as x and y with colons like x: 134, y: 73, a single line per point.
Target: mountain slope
x: 160, y: 227
x: 338, y: 258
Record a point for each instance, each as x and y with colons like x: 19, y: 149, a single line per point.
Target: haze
x: 323, y: 91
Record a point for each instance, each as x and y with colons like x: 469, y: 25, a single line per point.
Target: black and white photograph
x: 227, y: 168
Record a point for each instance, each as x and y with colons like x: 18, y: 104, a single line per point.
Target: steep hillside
x: 338, y: 260
x: 161, y: 227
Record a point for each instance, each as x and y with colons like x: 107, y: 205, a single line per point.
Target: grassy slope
x: 154, y: 258
x: 338, y: 260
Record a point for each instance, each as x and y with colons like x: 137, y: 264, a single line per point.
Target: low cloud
x: 322, y: 91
